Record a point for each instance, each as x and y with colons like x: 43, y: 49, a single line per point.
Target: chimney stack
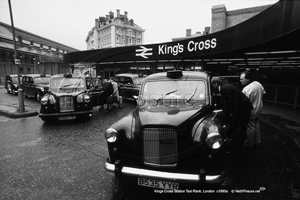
x: 188, y: 32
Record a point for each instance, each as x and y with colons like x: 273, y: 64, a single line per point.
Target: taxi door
x: 95, y: 88
x: 29, y: 86
x: 22, y: 84
x: 126, y: 87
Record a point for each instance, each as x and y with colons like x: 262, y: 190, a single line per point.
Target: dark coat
x: 237, y: 108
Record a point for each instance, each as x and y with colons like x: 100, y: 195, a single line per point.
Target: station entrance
x: 267, y: 44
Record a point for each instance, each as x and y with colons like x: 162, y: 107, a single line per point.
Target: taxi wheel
x: 7, y: 90
x: 49, y: 119
x: 14, y: 92
x: 45, y: 119
x: 84, y: 117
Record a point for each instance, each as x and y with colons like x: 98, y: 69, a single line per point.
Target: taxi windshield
x: 61, y: 84
x: 137, y: 81
x: 14, y: 79
x: 181, y: 91
x: 42, y: 80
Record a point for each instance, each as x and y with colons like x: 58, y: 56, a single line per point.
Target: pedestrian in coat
x: 116, y: 97
x: 236, y: 108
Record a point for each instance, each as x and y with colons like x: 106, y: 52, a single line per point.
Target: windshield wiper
x: 165, y: 94
x: 65, y: 86
x: 192, y: 94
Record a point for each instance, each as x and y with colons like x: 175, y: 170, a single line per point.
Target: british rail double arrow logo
x: 144, y: 52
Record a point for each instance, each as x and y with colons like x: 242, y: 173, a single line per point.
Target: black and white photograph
x: 149, y: 99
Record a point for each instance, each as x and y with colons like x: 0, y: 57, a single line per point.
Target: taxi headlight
x: 80, y: 98
x: 214, y: 140
x: 111, y: 135
x: 86, y: 98
x: 44, y: 100
x: 52, y: 99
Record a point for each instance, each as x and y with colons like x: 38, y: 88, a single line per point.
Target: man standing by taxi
x: 254, y: 91
x: 236, y: 107
x: 116, y: 97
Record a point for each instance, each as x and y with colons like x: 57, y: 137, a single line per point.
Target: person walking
x: 107, y: 91
x: 236, y: 107
x: 254, y: 91
x: 116, y: 97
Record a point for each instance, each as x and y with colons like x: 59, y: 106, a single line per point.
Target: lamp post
x: 20, y: 91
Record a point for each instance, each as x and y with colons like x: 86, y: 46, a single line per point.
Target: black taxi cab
x: 173, y: 137
x: 35, y: 85
x: 12, y: 83
x: 68, y: 98
x: 129, y: 84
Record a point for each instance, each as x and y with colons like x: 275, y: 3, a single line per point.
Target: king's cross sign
x: 144, y: 52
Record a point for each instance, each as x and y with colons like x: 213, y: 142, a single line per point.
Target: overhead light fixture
x: 225, y: 62
x: 271, y: 52
x: 255, y: 58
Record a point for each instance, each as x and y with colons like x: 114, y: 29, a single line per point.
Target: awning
x: 269, y: 38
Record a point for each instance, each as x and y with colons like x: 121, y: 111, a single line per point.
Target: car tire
x: 49, y: 119
x: 45, y: 119
x: 7, y: 90
x: 13, y: 92
x: 84, y: 117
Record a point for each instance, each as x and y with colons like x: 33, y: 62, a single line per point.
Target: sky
x: 69, y: 21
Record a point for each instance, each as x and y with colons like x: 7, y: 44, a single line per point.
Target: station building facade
x: 37, y: 54
x: 108, y: 30
x: 265, y: 41
x: 114, y: 31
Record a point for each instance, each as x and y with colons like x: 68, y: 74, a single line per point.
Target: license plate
x: 67, y: 118
x: 158, y: 184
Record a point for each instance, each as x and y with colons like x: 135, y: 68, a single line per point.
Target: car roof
x: 14, y: 75
x: 185, y: 75
x: 63, y: 75
x: 37, y: 75
x: 130, y: 75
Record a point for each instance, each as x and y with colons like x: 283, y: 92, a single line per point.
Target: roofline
x: 21, y: 30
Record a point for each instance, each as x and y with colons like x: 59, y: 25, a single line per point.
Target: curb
x: 16, y: 114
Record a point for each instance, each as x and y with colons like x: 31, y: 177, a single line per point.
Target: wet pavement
x: 66, y: 160
x: 284, y: 118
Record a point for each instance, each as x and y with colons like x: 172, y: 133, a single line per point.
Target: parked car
x: 129, y: 84
x: 35, y: 85
x: 174, y: 136
x: 11, y: 83
x: 68, y: 97
x: 95, y: 87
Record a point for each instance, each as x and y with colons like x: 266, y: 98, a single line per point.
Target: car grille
x: 66, y: 103
x: 160, y: 146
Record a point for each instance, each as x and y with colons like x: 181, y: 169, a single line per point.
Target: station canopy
x: 269, y: 39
